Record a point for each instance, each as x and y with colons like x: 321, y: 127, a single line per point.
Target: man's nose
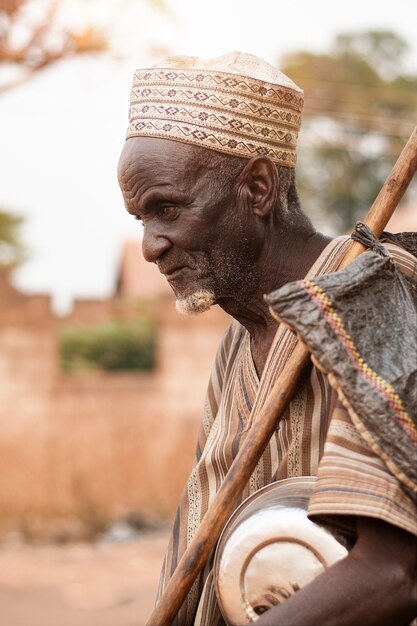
x: 154, y: 244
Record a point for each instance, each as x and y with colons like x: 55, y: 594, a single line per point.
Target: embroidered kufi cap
x: 237, y: 104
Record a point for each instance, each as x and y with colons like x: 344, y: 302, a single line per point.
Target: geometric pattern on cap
x: 223, y: 111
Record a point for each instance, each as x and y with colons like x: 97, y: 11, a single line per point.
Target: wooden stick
x: 388, y: 198
x: 264, y: 426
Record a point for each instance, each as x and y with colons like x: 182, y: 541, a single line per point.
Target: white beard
x: 197, y: 302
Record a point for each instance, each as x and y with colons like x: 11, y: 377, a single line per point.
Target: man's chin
x: 197, y: 302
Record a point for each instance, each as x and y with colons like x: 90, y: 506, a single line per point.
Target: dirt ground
x: 105, y: 584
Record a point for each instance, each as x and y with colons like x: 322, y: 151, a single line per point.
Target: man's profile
x: 209, y: 168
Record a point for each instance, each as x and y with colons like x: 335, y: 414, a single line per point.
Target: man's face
x: 193, y: 232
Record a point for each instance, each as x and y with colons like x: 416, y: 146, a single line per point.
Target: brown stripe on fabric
x: 198, y: 451
x: 237, y: 438
x: 283, y: 438
x: 229, y: 429
x: 342, y: 440
x: 208, y: 611
x: 211, y: 395
x: 295, y: 432
x: 266, y: 465
x: 351, y: 480
x: 406, y: 262
x: 365, y: 503
x: 245, y: 389
x: 205, y: 489
x: 282, y: 348
x: 306, y: 442
x: 326, y: 394
x: 342, y: 432
x: 175, y: 540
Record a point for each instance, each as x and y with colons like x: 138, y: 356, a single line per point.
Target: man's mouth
x: 173, y: 273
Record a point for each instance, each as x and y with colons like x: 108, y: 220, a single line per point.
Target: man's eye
x: 139, y: 219
x: 169, y: 212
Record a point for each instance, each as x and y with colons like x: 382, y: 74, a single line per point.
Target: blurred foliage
x: 31, y: 39
x: 112, y: 346
x: 12, y: 251
x: 360, y: 108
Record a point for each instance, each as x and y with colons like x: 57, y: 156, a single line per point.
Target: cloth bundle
x: 360, y: 325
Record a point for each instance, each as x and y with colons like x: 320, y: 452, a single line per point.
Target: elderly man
x: 208, y: 168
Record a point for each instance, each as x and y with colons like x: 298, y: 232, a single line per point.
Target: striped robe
x: 351, y: 480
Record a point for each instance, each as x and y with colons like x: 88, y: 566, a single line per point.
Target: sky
x: 61, y: 133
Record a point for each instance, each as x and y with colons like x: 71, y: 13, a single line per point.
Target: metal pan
x: 269, y: 549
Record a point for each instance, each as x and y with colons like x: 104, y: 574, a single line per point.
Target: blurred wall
x: 77, y: 451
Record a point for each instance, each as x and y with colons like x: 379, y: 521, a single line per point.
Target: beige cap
x: 236, y: 103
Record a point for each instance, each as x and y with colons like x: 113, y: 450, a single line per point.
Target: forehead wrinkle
x: 145, y: 161
x: 130, y: 185
x: 140, y: 193
x: 150, y: 194
x: 131, y: 177
x: 143, y: 183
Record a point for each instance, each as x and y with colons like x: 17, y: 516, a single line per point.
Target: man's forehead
x: 155, y: 146
x: 146, y: 148
x: 150, y: 156
x: 160, y: 161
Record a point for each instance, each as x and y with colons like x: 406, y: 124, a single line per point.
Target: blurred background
x: 101, y: 383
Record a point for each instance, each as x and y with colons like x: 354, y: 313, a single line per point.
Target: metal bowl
x: 269, y: 549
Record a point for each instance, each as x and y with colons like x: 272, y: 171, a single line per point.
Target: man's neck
x: 280, y: 264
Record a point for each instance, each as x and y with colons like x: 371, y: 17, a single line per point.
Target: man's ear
x: 258, y: 184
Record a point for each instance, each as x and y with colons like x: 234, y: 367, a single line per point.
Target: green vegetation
x: 113, y: 346
x: 360, y: 108
x: 12, y: 251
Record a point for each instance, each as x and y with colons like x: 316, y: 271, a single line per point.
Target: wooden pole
x: 388, y: 198
x: 264, y: 426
